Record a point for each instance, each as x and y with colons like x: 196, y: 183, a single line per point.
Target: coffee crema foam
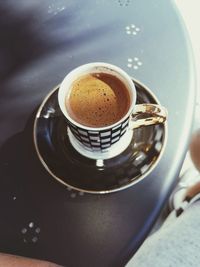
x: 97, y: 100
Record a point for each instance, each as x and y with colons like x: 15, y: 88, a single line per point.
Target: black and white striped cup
x: 109, y: 141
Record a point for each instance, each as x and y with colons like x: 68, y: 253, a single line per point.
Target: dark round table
x: 40, y: 42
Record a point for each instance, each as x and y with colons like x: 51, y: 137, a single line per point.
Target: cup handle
x: 151, y: 114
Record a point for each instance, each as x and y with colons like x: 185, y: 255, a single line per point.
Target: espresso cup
x: 98, y: 101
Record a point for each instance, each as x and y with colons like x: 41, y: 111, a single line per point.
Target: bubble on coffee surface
x: 98, y: 100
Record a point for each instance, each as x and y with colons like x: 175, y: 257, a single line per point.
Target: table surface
x: 40, y: 43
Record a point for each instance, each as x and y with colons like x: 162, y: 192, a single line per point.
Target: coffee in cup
x: 97, y: 100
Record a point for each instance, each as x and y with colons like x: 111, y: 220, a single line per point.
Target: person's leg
x: 177, y: 242
x: 7, y: 260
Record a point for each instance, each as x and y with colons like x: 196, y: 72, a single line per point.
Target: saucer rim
x: 96, y: 192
